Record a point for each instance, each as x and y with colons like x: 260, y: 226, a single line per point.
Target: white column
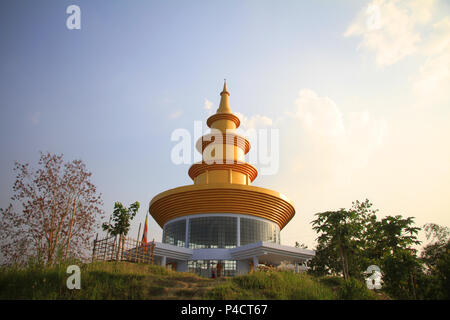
x: 186, y: 241
x: 163, y: 261
x: 255, y: 262
x: 238, y: 240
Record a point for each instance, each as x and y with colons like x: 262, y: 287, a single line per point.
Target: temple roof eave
x: 229, y: 198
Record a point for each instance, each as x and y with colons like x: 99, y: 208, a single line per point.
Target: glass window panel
x: 253, y: 230
x: 212, y: 232
x: 175, y: 233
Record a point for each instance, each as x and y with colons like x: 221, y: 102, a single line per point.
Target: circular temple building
x: 221, y: 225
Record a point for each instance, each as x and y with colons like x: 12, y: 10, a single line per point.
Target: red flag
x: 144, y: 235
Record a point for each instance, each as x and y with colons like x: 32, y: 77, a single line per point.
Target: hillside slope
x: 123, y: 280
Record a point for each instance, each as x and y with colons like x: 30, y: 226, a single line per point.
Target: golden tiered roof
x: 222, y: 179
x: 223, y: 150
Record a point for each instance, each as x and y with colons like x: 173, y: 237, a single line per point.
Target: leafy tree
x: 433, y: 251
x: 324, y: 261
x: 443, y: 271
x: 338, y: 229
x: 392, y: 241
x: 344, y: 237
x: 366, y: 238
x: 396, y: 233
x: 400, y: 271
x: 435, y: 284
x: 47, y: 196
x: 352, y: 239
x: 121, y: 220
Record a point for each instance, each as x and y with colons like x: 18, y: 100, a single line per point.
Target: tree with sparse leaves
x: 59, y: 201
x: 435, y: 284
x: 431, y: 253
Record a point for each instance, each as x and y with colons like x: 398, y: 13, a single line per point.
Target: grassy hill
x: 122, y: 280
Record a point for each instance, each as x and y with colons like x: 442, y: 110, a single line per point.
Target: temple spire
x: 224, y: 106
x: 225, y: 87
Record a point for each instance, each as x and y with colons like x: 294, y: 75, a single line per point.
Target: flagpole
x: 139, y: 232
x: 137, y: 242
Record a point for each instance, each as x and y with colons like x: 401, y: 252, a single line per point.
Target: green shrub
x: 353, y: 289
x: 332, y: 281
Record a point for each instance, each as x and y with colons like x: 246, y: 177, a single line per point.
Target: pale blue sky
x: 113, y: 92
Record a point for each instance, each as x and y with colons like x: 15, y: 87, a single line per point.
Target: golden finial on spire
x: 225, y: 87
x: 224, y: 106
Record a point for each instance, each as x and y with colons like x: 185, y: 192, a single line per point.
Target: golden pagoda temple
x: 221, y: 224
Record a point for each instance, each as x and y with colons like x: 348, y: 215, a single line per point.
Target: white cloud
x: 319, y: 114
x: 433, y: 78
x: 394, y: 29
x: 327, y: 144
x: 390, y: 28
x: 439, y: 40
x: 319, y: 142
x: 208, y: 105
x: 254, y: 122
